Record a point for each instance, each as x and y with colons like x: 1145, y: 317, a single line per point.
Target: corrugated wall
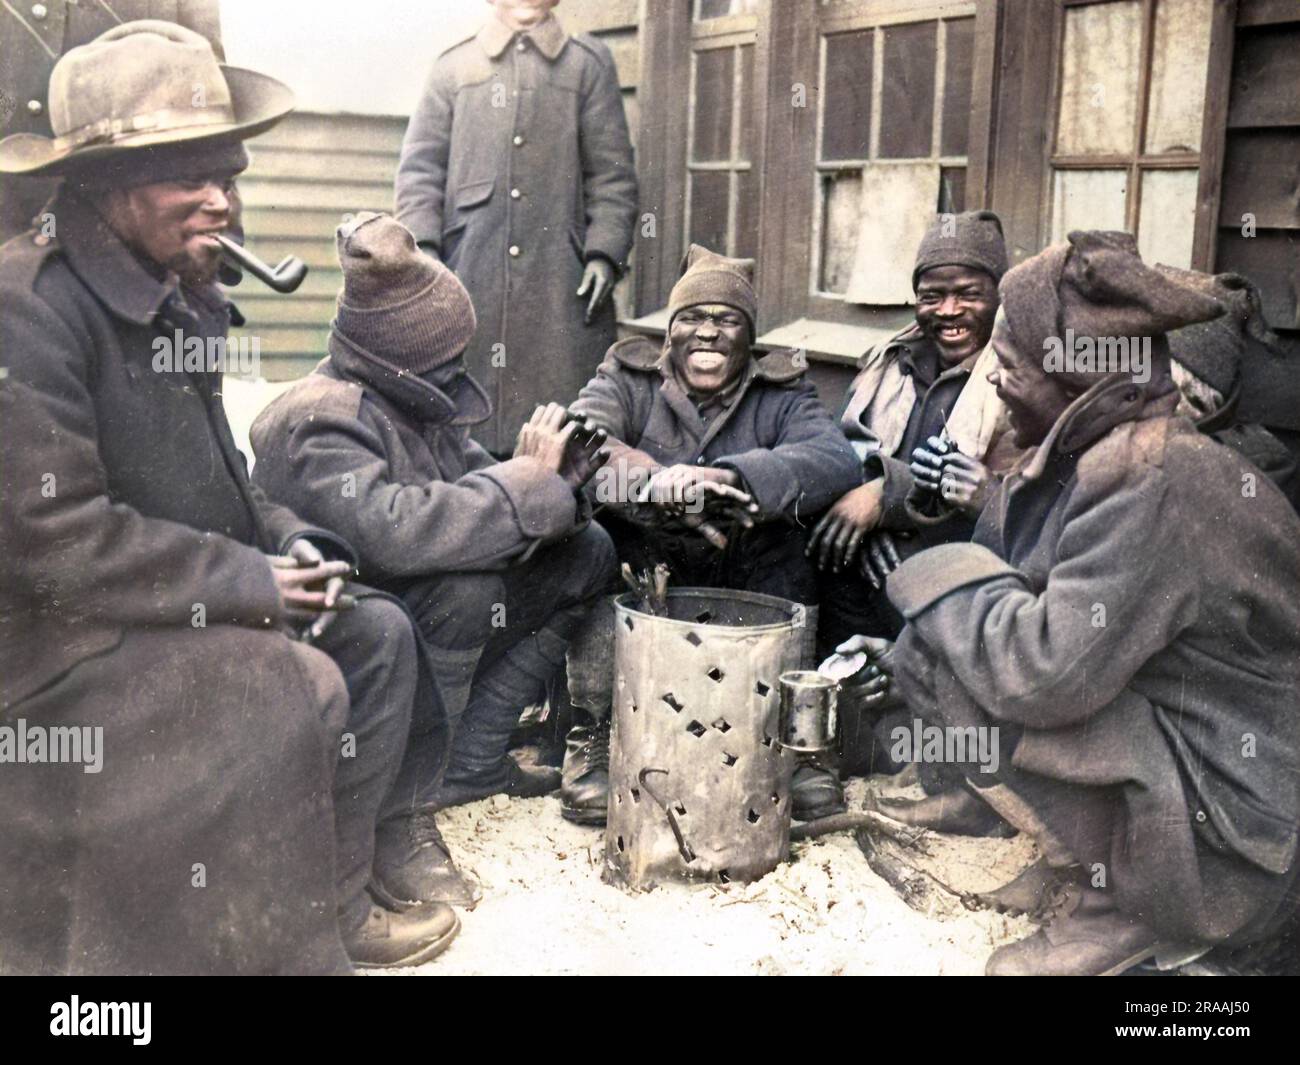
x: 313, y: 169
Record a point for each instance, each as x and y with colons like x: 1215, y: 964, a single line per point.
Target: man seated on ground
x: 930, y: 433
x: 498, y: 561
x: 1128, y: 619
x: 146, y: 588
x: 717, y: 460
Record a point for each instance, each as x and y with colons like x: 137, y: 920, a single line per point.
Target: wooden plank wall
x: 1261, y: 171
x: 313, y: 169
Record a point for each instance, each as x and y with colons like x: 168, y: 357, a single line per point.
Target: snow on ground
x: 546, y: 910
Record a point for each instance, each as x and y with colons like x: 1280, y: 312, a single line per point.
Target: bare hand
x: 880, y: 559
x: 965, y: 483
x: 837, y: 537
x: 311, y: 589
x: 598, y: 279
x: 875, y: 688
x: 671, y: 485
x: 546, y: 436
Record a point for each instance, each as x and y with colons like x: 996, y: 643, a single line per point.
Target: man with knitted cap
x: 148, y: 588
x: 498, y: 561
x: 718, y: 461
x: 928, y: 430
x: 1128, y: 619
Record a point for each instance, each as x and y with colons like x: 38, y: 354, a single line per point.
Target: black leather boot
x: 510, y: 778
x: 392, y: 940
x: 584, y: 790
x: 413, y: 865
x: 815, y: 787
x: 478, y: 765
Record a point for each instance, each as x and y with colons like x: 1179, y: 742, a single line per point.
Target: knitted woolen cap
x: 972, y: 238
x: 398, y: 303
x: 708, y: 277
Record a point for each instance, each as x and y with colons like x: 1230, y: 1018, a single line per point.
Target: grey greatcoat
x: 1131, y: 600
x: 517, y: 166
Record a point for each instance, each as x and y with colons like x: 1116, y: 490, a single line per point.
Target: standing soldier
x: 517, y: 172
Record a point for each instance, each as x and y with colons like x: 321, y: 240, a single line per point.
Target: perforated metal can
x: 699, y: 784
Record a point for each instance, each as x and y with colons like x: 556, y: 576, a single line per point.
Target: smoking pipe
x: 283, y: 278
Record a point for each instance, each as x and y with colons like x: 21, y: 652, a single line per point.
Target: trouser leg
x: 374, y: 648
x: 548, y: 599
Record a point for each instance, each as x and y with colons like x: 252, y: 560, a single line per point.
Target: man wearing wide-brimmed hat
x: 146, y: 588
x: 33, y: 37
x: 1126, y: 624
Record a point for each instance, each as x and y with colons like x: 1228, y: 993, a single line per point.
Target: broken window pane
x: 1167, y: 220
x: 710, y: 200
x: 1099, y: 79
x: 898, y: 201
x: 846, y: 130
x: 958, y: 67
x: 1179, y: 63
x: 714, y: 84
x: 841, y: 209
x: 907, y: 91
x: 1087, y: 199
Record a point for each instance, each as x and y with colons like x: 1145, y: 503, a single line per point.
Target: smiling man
x: 1127, y: 617
x: 929, y: 432
x: 717, y: 458
x: 146, y: 587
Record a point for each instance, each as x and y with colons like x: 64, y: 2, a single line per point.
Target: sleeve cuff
x: 767, y: 478
x: 334, y: 548
x: 600, y: 248
x: 544, y: 505
x: 898, y: 480
x: 928, y: 576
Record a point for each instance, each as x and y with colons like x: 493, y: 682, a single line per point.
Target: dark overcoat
x: 135, y: 595
x: 772, y: 430
x: 517, y: 165
x: 1131, y: 600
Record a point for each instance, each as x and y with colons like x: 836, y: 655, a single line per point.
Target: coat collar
x: 1105, y: 405
x: 548, y: 35
x: 413, y: 395
x: 107, y: 266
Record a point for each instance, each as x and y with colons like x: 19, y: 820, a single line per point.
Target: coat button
x: 521, y: 47
x: 519, y: 140
x: 514, y: 251
x: 35, y: 107
x: 1200, y: 816
x: 39, y: 11
x: 515, y: 194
